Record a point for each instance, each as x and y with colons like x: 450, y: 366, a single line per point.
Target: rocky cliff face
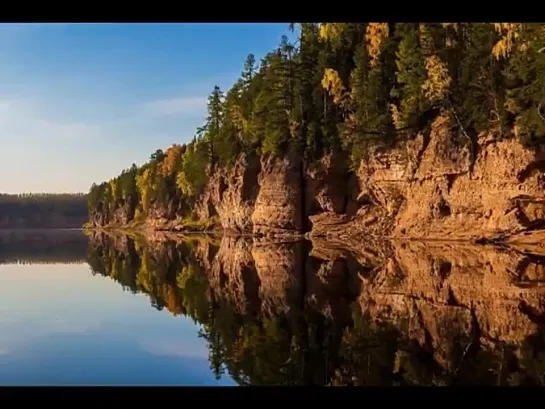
x: 438, y: 185
x: 444, y: 187
x: 470, y: 309
x: 274, y: 197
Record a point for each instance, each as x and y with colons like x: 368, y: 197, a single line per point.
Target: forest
x: 43, y: 210
x: 351, y: 87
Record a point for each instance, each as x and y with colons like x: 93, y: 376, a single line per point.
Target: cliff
x: 439, y: 184
x: 416, y: 130
x: 382, y: 313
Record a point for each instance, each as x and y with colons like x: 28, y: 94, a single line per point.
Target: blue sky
x: 81, y: 102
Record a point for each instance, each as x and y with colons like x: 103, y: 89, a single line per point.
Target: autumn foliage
x: 351, y: 87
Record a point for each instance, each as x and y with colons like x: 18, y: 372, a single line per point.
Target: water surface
x: 60, y: 324
x: 115, y: 310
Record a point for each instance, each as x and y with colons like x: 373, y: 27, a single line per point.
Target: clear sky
x: 81, y: 102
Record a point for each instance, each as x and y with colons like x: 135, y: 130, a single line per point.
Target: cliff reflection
x: 301, y: 313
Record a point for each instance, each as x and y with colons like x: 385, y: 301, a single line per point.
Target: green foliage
x: 349, y: 87
x: 192, y: 177
x: 262, y: 338
x: 478, y: 95
x: 526, y: 71
x: 410, y: 76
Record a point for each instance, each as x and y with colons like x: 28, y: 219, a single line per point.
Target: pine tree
x: 310, y: 137
x: 352, y: 86
x: 211, y: 129
x: 478, y: 95
x: 272, y: 107
x: 410, y: 76
x: 249, y: 70
x: 526, y: 74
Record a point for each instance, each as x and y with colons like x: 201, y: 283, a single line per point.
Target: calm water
x: 60, y: 324
x: 232, y: 311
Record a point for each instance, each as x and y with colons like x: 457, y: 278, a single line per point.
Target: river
x: 227, y: 311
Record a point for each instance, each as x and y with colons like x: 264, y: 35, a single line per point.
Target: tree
x: 212, y: 127
x: 526, y: 73
x: 410, y: 77
x: 191, y: 179
x: 309, y: 76
x: 249, y: 70
x: 350, y: 88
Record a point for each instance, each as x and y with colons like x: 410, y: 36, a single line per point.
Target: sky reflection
x: 60, y: 325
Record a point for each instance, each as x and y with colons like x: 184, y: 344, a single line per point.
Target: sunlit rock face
x: 437, y: 184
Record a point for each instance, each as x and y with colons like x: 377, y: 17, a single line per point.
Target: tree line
x: 43, y: 210
x: 351, y: 87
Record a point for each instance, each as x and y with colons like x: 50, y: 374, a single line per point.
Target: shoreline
x: 513, y: 240
x: 534, y: 239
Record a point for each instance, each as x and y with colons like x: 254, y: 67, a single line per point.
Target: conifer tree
x: 211, y: 129
x: 526, y: 74
x: 410, y: 75
x: 352, y: 86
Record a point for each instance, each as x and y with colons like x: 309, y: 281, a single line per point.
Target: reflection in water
x: 295, y: 313
x: 42, y: 246
x: 62, y: 325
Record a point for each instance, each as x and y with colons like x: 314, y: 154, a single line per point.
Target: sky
x: 81, y: 102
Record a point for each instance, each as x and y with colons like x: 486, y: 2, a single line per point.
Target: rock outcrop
x: 442, y: 187
x: 231, y: 195
x: 484, y: 296
x: 437, y: 185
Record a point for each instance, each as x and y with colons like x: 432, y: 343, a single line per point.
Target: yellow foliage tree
x: 398, y: 121
x: 171, y: 161
x: 438, y: 81
x: 143, y: 183
x: 331, y: 81
x: 375, y: 35
x: 425, y: 39
x: 113, y: 188
x: 184, y: 184
x: 509, y: 33
x: 331, y: 31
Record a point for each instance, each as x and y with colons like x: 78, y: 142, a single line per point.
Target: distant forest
x: 43, y: 210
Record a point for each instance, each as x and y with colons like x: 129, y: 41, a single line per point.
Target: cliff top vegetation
x: 351, y: 87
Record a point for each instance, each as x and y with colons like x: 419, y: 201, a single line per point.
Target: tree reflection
x: 42, y: 246
x: 297, y: 319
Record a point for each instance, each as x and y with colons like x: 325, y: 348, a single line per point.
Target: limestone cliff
x: 436, y: 185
